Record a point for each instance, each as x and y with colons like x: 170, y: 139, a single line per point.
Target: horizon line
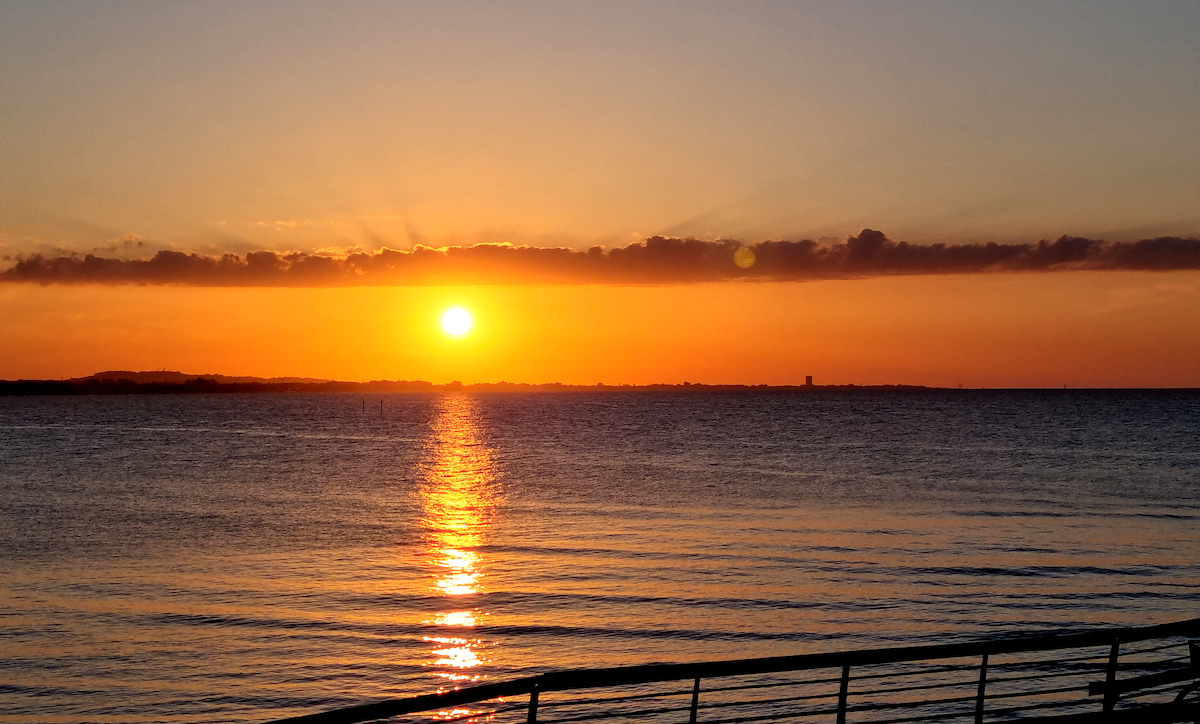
x: 95, y: 384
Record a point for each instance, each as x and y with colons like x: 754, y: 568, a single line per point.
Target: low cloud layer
x: 657, y: 260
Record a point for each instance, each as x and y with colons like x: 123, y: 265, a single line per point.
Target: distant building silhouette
x: 808, y: 381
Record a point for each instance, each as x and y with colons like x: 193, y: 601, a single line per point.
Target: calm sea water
x: 247, y: 557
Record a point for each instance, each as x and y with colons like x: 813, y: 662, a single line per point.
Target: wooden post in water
x: 841, y: 713
x: 1110, y: 682
x: 533, y: 697
x: 695, y: 700
x: 982, y: 688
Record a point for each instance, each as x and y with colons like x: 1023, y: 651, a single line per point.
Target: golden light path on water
x: 459, y: 496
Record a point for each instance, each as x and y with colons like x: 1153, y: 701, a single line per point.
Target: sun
x: 456, y: 321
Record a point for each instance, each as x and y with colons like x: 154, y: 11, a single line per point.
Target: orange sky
x: 258, y: 148
x: 990, y: 330
x: 310, y: 125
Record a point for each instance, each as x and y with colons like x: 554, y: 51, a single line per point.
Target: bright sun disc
x: 456, y: 321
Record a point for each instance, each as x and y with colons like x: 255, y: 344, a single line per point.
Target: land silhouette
x: 120, y: 382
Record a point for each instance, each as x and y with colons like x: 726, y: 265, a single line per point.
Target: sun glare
x: 456, y: 321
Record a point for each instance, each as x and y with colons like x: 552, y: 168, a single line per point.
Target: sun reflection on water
x: 459, y: 497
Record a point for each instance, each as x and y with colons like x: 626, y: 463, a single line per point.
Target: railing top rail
x: 652, y: 673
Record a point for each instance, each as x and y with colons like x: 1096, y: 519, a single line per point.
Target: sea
x: 246, y: 557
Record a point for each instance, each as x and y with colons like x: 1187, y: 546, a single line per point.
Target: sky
x: 346, y: 160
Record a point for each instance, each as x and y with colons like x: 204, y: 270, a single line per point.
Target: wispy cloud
x: 657, y: 260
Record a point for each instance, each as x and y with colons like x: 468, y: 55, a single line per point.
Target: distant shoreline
x: 213, y: 385
x: 151, y: 383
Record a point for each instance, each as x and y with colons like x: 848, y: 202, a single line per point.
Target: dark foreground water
x: 239, y: 558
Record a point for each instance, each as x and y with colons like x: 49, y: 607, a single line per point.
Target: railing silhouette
x: 1144, y: 674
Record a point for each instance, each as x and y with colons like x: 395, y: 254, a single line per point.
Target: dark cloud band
x: 657, y: 260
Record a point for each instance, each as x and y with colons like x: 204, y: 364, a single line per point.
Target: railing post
x: 1110, y: 681
x: 695, y: 700
x: 533, y: 697
x: 982, y: 689
x: 841, y: 713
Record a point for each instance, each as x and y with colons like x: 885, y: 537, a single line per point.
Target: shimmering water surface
x: 247, y: 557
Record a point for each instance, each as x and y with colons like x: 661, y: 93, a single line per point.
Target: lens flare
x: 744, y: 257
x: 456, y: 321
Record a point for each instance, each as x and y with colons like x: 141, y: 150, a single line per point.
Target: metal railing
x: 1139, y: 674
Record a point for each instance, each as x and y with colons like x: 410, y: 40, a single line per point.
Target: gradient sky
x: 129, y: 127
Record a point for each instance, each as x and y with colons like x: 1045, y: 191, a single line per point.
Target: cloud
x: 657, y: 260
